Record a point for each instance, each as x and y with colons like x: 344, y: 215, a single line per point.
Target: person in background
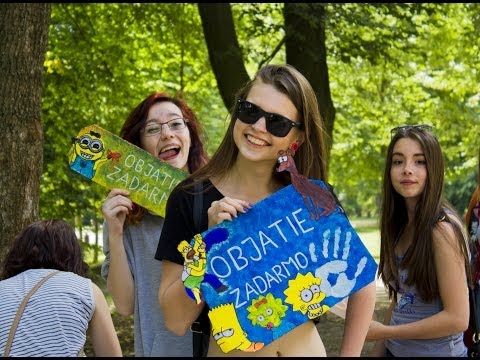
x: 167, y: 128
x: 423, y: 253
x: 472, y: 219
x: 58, y: 314
x: 275, y: 111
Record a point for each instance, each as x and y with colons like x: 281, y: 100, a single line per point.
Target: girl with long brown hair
x: 276, y: 110
x: 423, y: 253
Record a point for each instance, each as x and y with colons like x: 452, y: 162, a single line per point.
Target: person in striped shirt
x: 58, y: 314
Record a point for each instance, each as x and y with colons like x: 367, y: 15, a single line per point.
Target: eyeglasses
x: 404, y: 128
x: 152, y: 129
x: 86, y: 142
x: 277, y: 125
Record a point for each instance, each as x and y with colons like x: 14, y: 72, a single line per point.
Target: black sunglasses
x: 277, y: 125
x: 403, y: 128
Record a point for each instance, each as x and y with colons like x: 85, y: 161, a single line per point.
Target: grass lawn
x: 369, y: 233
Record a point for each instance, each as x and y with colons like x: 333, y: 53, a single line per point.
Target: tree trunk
x: 23, y: 34
x: 306, y: 51
x: 223, y: 50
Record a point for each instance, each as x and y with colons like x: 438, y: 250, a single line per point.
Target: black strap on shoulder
x: 201, y: 327
x: 197, y: 204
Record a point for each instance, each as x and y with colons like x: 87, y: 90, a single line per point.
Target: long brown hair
x: 197, y: 156
x: 48, y: 244
x: 431, y: 207
x: 310, y: 159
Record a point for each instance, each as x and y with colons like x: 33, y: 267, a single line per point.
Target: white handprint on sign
x: 343, y: 285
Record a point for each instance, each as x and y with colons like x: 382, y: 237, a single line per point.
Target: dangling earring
x: 294, y: 147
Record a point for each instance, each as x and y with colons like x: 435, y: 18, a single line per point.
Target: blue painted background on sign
x: 271, y: 244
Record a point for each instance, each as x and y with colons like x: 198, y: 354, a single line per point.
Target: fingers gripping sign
x: 335, y: 281
x: 226, y: 209
x: 115, y: 208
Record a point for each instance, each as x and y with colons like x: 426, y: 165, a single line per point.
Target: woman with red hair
x: 167, y: 128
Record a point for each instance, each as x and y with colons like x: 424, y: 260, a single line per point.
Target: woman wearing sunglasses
x: 423, y: 253
x: 275, y: 111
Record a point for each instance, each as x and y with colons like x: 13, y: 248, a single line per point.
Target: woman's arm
x: 360, y: 307
x: 119, y: 281
x: 101, y: 330
x: 378, y: 349
x: 179, y: 309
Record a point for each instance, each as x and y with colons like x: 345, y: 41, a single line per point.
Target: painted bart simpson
x: 228, y: 332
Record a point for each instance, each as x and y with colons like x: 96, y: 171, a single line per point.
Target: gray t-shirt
x: 409, y: 308
x: 151, y: 336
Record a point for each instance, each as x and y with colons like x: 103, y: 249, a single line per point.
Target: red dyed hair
x: 197, y: 156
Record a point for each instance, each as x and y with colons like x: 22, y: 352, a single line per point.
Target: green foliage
x: 394, y: 64
x: 460, y: 190
x: 92, y: 254
x: 102, y: 60
x: 260, y: 30
x: 388, y: 64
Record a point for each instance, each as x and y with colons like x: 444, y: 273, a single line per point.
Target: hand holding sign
x: 279, y: 268
x: 289, y: 259
x: 113, y: 162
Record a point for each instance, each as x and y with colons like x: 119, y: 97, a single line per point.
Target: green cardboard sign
x: 113, y: 162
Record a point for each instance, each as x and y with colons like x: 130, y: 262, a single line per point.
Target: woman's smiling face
x: 170, y: 146
x: 254, y: 142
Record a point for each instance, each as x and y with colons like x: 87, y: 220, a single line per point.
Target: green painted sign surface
x: 113, y: 162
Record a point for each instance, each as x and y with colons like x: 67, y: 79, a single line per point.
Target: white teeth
x: 256, y: 141
x: 85, y: 155
x: 168, y: 148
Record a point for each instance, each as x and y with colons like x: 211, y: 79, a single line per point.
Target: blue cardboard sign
x: 274, y: 268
